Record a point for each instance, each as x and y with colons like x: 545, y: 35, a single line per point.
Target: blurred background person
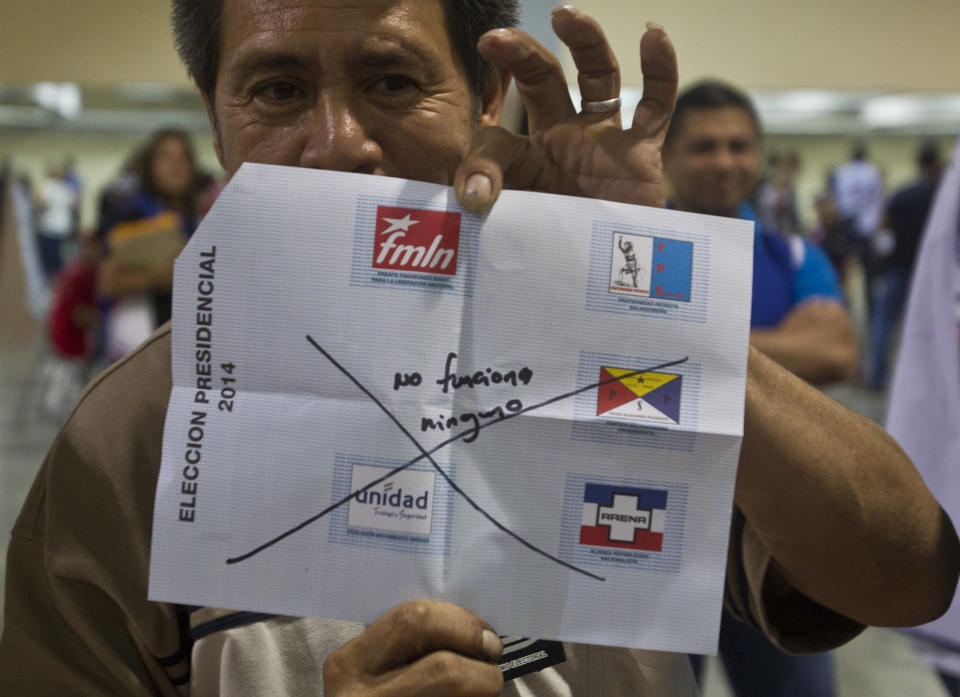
x: 71, y: 329
x: 858, y: 190
x: 57, y: 205
x: 144, y: 226
x: 906, y: 216
x: 833, y: 233
x: 73, y: 307
x: 712, y: 163
x: 73, y: 180
x: 711, y: 159
x: 776, y: 198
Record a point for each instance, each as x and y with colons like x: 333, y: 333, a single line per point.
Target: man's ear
x: 494, y: 95
x: 212, y: 117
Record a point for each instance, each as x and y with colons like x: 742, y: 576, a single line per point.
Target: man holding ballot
x: 840, y: 531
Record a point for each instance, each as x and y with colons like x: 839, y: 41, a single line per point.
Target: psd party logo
x: 410, y: 239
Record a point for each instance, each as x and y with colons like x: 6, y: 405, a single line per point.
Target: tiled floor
x: 25, y: 434
x: 880, y: 663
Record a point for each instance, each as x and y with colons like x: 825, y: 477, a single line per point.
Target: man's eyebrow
x: 261, y: 61
x: 395, y: 54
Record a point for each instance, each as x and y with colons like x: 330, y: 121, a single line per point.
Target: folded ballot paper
x: 377, y: 396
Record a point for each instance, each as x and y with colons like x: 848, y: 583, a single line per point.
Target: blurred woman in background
x: 143, y: 227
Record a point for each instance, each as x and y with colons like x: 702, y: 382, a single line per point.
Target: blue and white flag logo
x: 651, y: 267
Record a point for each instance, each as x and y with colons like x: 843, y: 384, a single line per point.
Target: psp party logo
x: 623, y: 517
x: 403, y: 503
x: 639, y: 396
x: 410, y: 239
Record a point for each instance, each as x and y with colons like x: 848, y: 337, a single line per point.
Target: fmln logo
x: 410, y: 239
x: 624, y: 517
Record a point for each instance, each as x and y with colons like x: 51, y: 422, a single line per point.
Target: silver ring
x: 602, y: 106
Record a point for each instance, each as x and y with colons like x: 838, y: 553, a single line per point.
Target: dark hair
x: 142, y: 167
x: 196, y: 34
x: 710, y: 94
x: 197, y: 24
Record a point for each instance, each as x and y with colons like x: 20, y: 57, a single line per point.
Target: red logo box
x: 409, y: 239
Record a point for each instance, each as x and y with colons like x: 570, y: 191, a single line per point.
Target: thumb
x: 493, y: 155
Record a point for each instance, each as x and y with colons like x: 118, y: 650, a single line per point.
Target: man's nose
x: 724, y: 158
x: 338, y: 138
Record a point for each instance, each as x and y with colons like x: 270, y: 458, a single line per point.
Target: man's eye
x: 278, y: 91
x: 396, y: 83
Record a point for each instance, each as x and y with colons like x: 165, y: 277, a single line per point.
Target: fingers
x: 536, y: 72
x: 445, y: 674
x: 583, y: 154
x: 539, y: 75
x: 542, y: 86
x: 419, y: 627
x: 597, y: 69
x: 421, y: 647
x: 658, y: 61
x: 439, y: 674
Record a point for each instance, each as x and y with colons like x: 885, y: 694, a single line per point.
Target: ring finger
x: 598, y: 72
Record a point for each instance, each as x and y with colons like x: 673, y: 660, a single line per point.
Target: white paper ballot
x: 378, y: 396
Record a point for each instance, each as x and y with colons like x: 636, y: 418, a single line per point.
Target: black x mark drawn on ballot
x: 428, y: 455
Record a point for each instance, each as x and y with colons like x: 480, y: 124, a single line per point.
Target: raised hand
x: 581, y: 154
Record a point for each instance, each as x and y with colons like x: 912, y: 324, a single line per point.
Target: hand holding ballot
x: 420, y: 647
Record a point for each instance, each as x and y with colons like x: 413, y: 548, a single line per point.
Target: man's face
x: 370, y: 86
x: 713, y: 161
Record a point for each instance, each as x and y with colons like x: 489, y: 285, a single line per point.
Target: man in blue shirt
x: 711, y: 159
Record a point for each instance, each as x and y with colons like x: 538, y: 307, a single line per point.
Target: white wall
x: 777, y: 44
x: 760, y: 44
